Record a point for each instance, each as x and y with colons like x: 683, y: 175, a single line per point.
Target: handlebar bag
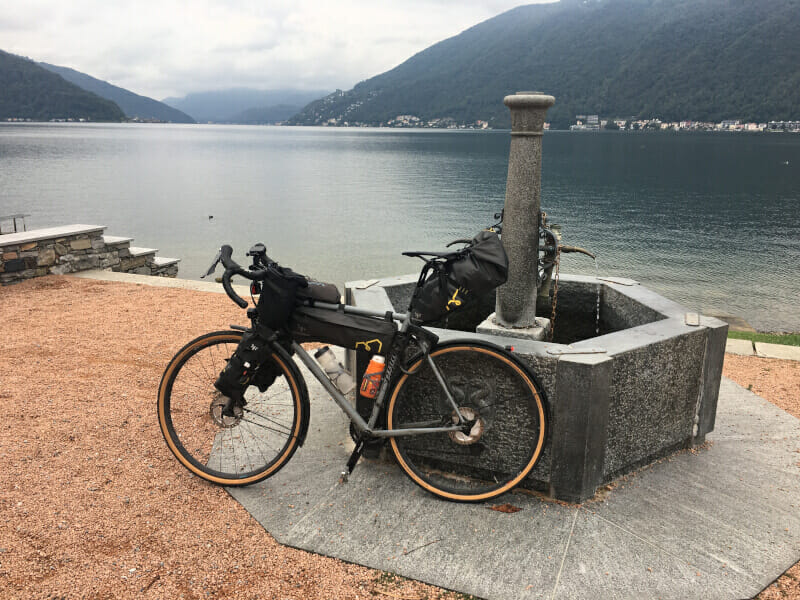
x: 372, y: 334
x: 445, y: 287
x: 319, y: 290
x: 278, y: 296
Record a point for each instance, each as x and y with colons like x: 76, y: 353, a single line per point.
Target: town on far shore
x: 582, y: 123
x: 595, y: 123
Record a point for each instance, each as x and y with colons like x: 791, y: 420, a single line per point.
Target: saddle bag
x: 356, y: 332
x: 445, y: 287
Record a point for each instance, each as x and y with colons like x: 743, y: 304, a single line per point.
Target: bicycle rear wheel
x: 507, y: 422
x: 233, y: 450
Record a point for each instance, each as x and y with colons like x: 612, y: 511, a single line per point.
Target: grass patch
x: 787, y: 339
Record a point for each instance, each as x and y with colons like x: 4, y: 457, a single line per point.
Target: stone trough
x: 644, y: 387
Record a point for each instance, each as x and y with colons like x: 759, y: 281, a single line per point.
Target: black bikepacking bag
x: 321, y: 291
x: 476, y: 270
x: 249, y: 365
x: 372, y: 334
x: 278, y: 296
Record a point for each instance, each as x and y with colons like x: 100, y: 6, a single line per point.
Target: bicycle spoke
x: 266, y: 418
x: 264, y: 426
x: 256, y: 439
x: 269, y: 447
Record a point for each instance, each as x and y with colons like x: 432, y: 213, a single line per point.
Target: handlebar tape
x: 226, y: 283
x: 231, y: 268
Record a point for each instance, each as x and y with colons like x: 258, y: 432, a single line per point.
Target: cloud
x: 170, y: 48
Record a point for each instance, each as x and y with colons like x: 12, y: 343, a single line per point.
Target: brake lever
x: 214, y: 264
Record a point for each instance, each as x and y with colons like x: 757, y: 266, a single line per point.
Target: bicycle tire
x: 229, y: 451
x: 507, y: 409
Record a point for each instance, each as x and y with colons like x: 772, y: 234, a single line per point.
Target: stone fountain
x: 624, y: 391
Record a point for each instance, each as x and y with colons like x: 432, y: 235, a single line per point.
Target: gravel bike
x: 466, y: 420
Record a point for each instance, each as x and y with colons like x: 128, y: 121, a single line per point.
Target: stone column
x: 516, y: 300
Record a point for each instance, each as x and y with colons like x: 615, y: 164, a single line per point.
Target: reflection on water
x: 709, y: 220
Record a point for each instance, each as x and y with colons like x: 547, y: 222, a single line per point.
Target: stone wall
x: 73, y: 248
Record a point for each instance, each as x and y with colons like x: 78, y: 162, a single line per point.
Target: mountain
x: 134, y: 105
x: 671, y: 59
x: 226, y: 106
x: 266, y: 114
x: 27, y: 91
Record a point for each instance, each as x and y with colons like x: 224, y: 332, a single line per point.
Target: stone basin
x: 644, y: 387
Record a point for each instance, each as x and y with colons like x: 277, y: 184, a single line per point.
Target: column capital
x: 523, y: 100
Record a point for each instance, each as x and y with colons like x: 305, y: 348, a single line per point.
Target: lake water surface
x: 709, y: 220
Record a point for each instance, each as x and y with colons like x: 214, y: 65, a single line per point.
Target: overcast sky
x: 163, y: 48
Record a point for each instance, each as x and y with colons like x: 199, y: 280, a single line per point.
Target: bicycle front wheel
x: 506, y: 414
x: 235, y: 450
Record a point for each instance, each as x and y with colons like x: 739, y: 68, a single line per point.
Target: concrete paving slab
x: 777, y: 351
x: 750, y: 417
x: 719, y: 523
x: 676, y: 508
x: 606, y: 561
x: 742, y: 347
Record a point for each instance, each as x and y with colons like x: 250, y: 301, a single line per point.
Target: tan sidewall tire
x: 509, y: 485
x: 173, y: 367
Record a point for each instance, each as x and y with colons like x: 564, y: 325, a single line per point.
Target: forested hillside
x: 134, y: 105
x: 671, y: 59
x: 27, y: 91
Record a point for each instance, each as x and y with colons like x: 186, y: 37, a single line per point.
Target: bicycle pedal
x: 344, y: 477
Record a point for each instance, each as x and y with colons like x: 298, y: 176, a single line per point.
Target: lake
x: 711, y: 220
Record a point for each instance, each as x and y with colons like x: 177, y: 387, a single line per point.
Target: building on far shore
x: 586, y: 123
x: 594, y: 123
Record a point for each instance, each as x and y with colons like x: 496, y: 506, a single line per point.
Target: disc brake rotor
x: 476, y: 429
x: 220, y: 420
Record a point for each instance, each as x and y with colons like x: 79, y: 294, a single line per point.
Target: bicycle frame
x: 369, y: 427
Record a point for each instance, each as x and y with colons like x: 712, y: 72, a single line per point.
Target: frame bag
x: 356, y: 332
x: 445, y: 287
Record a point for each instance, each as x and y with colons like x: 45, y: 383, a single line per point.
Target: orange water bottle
x: 372, y: 377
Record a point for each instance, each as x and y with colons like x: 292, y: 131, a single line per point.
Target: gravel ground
x: 94, y: 505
